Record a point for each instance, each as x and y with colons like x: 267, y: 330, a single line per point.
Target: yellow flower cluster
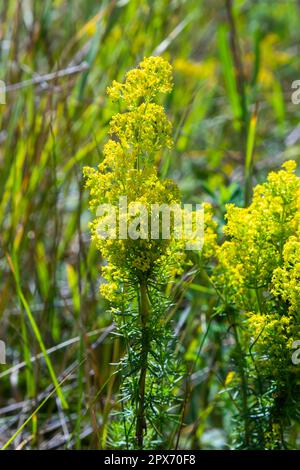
x: 286, y: 279
x: 128, y: 170
x: 144, y: 130
x: 274, y: 335
x: 258, y: 267
x: 153, y: 76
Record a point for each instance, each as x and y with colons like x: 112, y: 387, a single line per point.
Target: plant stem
x: 144, y: 314
x: 244, y: 386
x: 242, y: 92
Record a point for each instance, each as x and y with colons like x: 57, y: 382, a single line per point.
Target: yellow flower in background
x: 204, y: 70
x: 271, y: 58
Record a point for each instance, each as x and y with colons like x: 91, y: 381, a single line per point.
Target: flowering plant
x: 257, y: 277
x: 138, y: 268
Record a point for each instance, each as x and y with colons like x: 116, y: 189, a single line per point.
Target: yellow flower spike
x: 289, y: 166
x: 128, y: 170
x: 154, y: 76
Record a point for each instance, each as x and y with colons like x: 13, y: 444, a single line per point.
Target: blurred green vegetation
x: 234, y: 120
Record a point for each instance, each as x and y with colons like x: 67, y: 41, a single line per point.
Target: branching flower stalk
x: 139, y: 267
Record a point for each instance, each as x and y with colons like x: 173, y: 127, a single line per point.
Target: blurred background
x: 234, y: 63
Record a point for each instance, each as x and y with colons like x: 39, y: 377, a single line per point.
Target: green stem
x: 244, y: 385
x: 144, y: 314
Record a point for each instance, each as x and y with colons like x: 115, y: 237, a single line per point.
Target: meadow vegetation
x: 130, y: 344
